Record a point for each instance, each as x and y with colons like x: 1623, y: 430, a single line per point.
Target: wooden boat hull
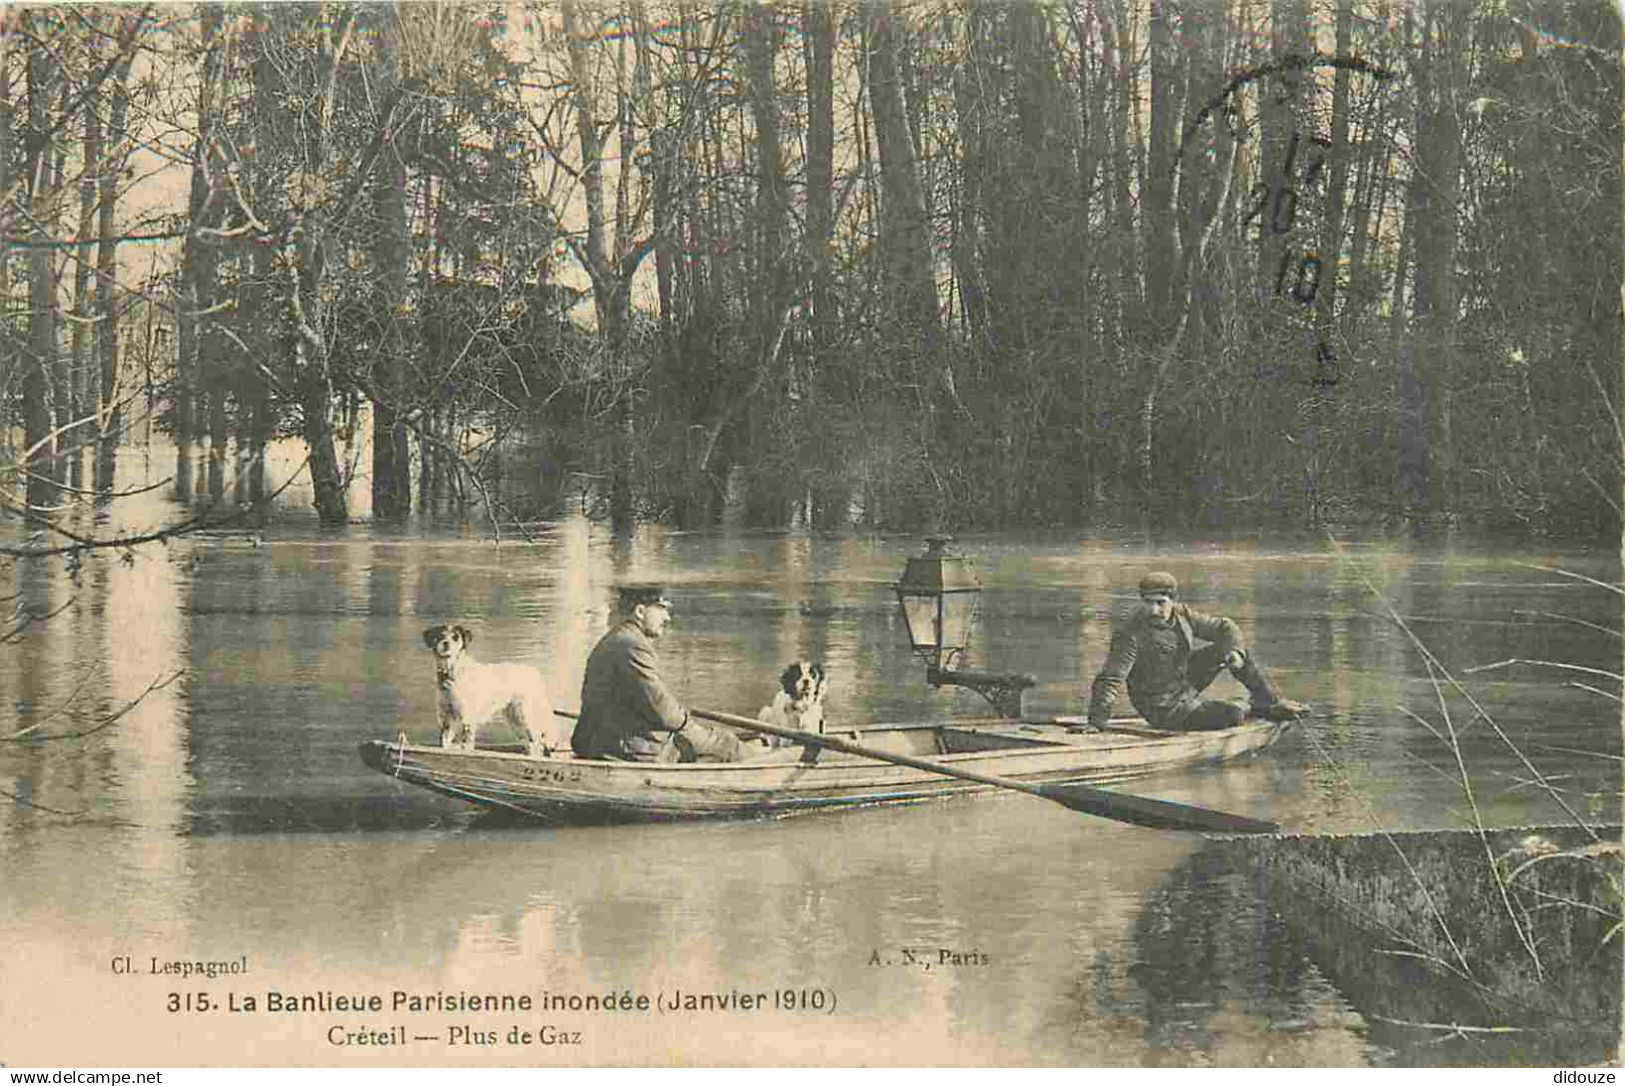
x: 569, y: 789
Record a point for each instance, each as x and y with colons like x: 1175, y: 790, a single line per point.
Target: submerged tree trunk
x: 305, y: 268
x: 1159, y: 239
x: 316, y: 402
x: 82, y: 394
x: 829, y: 492
x: 769, y: 488
x: 61, y: 361
x: 1438, y: 160
x: 253, y: 398
x: 305, y: 256
x: 1427, y: 352
x: 40, y: 355
x: 391, y: 452
x: 611, y: 262
x: 198, y: 262
x: 605, y: 301
x: 82, y: 389
x: 106, y: 304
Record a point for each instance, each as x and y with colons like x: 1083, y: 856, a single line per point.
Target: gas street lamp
x: 939, y: 594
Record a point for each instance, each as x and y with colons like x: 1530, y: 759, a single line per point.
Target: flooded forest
x: 1245, y: 262
x: 739, y: 297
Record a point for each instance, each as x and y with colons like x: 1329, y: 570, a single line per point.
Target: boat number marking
x: 542, y: 773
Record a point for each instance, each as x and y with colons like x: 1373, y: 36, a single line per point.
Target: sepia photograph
x: 811, y: 534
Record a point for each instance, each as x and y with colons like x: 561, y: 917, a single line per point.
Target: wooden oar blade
x: 1160, y: 814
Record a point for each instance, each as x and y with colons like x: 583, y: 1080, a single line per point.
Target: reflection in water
x: 1217, y: 976
x: 223, y: 814
x: 144, y: 621
x: 39, y: 686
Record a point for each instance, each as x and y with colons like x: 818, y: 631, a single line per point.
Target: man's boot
x: 1266, y: 703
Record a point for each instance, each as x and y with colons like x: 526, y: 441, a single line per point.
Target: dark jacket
x: 1156, y: 681
x: 626, y: 710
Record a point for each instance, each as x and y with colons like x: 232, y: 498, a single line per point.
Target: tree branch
x: 102, y: 725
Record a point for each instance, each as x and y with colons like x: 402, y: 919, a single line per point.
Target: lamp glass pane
x: 921, y: 614
x: 958, y: 608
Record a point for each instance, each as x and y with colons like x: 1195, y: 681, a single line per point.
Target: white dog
x: 472, y: 693
x: 798, y: 703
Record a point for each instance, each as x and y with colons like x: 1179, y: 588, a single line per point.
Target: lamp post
x: 938, y: 594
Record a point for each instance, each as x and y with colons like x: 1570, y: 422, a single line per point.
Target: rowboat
x: 566, y: 789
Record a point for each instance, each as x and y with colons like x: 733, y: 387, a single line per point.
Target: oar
x: 1159, y: 814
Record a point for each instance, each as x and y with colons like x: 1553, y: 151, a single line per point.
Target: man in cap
x: 626, y: 710
x: 1154, y: 654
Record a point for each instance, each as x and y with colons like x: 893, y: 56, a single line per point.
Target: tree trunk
x: 1157, y: 215
x: 219, y: 437
x: 1120, y: 39
x: 197, y: 273
x: 1281, y: 105
x: 768, y: 488
x: 1411, y: 462
x: 1331, y: 233
x: 1427, y: 355
x: 40, y: 354
x: 664, y: 162
x: 1170, y: 226
x: 820, y: 51
x: 327, y: 481
x: 106, y: 305
x: 305, y: 256
x: 1438, y: 158
x: 426, y: 458
x: 67, y: 439
x: 966, y: 244
x: 391, y: 452
x: 1370, y: 200
x: 304, y: 262
x: 609, y: 297
x: 253, y: 398
x: 83, y: 394
x: 905, y: 231
x: 829, y: 504
x: 79, y: 362
x: 1201, y: 183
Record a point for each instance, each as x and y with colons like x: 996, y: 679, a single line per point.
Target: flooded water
x: 227, y: 814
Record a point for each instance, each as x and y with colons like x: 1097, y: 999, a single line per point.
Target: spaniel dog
x: 798, y: 703
x: 472, y: 693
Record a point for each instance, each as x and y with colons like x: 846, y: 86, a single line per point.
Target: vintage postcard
x: 810, y: 534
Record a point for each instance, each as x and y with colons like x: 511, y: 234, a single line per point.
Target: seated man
x: 626, y: 710
x: 1153, y: 652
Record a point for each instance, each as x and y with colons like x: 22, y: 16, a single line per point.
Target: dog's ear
x: 431, y: 635
x: 466, y: 634
x: 788, y: 677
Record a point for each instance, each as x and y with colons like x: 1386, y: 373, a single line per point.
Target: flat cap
x: 1159, y: 584
x: 647, y: 594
